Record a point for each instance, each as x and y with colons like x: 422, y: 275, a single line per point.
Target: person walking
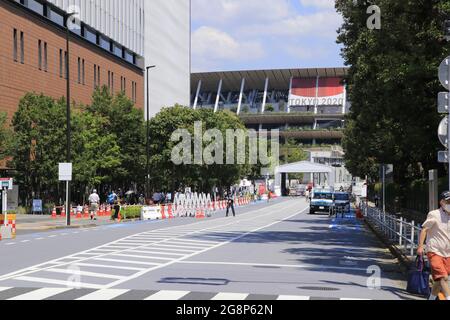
x: 436, y: 232
x: 230, y: 204
x: 94, y: 201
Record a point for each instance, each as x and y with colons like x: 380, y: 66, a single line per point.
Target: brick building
x: 33, y: 57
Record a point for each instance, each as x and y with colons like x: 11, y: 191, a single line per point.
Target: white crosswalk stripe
x: 230, y: 296
x: 168, y: 295
x: 40, y: 294
x: 162, y: 295
x: 104, y: 294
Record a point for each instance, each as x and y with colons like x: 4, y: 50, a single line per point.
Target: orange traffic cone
x: 79, y: 214
x: 63, y: 212
x: 170, y: 211
x: 163, y: 212
x: 108, y: 211
x: 54, y: 213
x: 86, y: 212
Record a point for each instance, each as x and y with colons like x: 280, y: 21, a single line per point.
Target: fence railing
x: 397, y: 231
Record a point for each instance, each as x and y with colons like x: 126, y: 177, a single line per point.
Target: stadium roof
x: 278, y: 78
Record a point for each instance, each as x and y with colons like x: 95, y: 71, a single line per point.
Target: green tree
x: 5, y: 136
x: 392, y: 85
x: 126, y: 122
x: 167, y: 175
x: 38, y: 144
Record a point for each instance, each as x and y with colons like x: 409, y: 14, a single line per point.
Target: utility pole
x: 69, y: 142
x: 147, y: 167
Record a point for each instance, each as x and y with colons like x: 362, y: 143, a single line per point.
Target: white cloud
x: 321, y: 4
x: 320, y: 24
x: 211, y: 46
x: 247, y: 11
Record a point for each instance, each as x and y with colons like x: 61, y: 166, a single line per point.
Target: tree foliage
x: 167, y: 175
x: 392, y: 85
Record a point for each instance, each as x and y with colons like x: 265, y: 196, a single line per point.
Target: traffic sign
x: 65, y: 172
x: 443, y: 157
x: 444, y: 103
x: 6, y: 183
x: 442, y: 132
x: 444, y: 74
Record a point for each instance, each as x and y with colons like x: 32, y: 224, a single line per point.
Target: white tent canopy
x: 302, y: 167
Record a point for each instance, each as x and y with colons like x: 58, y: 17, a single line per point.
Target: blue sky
x: 264, y: 34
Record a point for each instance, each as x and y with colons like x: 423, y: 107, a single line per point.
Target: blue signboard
x: 37, y: 205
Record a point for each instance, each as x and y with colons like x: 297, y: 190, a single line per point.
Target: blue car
x: 321, y: 201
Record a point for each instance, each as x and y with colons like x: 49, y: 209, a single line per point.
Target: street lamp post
x: 69, y: 155
x: 147, y: 167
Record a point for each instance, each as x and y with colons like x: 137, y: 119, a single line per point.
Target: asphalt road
x: 269, y: 251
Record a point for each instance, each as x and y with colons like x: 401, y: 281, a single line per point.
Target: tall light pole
x: 69, y: 154
x: 147, y: 167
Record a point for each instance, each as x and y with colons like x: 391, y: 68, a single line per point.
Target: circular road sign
x: 442, y: 132
x: 444, y: 73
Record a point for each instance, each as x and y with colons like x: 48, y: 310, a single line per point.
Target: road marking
x: 139, y: 274
x: 10, y: 244
x: 85, y: 273
x: 95, y: 265
x: 40, y: 294
x: 157, y: 252
x: 297, y: 298
x: 175, y: 247
x: 272, y: 265
x: 4, y: 288
x: 40, y: 239
x: 127, y: 261
x: 69, y: 284
x: 140, y: 256
x: 208, y: 226
x: 230, y: 296
x: 25, y: 241
x: 168, y: 295
x: 104, y: 294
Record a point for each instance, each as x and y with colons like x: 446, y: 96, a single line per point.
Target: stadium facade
x: 308, y: 106
x: 111, y: 44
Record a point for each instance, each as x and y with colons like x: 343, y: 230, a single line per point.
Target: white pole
x: 5, y: 207
x: 199, y: 87
x: 219, y: 92
x: 241, y: 94
x: 67, y: 204
x: 266, y: 87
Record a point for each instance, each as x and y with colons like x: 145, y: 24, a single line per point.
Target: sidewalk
x: 36, y: 223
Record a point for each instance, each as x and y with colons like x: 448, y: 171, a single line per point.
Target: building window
x: 109, y: 80
x: 95, y: 76
x: 40, y: 54
x: 65, y: 64
x: 15, y: 54
x: 112, y: 82
x: 79, y: 70
x: 83, y: 73
x: 60, y: 63
x: 98, y: 76
x: 22, y: 49
x: 45, y: 57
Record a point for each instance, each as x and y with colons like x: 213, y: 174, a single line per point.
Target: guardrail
x: 397, y: 231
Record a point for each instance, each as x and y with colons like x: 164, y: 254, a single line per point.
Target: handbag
x: 419, y: 279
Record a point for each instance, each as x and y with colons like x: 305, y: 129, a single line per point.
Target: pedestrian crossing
x: 117, y: 262
x: 38, y: 294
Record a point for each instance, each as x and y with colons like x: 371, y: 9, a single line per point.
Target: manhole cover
x: 319, y: 288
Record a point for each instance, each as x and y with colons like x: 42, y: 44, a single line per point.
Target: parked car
x: 321, y: 201
x: 342, y: 201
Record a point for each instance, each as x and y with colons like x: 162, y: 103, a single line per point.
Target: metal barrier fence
x: 398, y: 231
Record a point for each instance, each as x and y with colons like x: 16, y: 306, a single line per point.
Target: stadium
x: 308, y: 106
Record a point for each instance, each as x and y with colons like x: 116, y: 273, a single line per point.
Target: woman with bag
x: 436, y: 231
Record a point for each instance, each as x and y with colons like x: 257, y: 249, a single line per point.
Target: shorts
x: 94, y: 208
x: 440, y: 266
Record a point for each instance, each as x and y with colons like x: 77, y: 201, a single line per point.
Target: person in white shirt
x: 94, y: 201
x: 436, y: 230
